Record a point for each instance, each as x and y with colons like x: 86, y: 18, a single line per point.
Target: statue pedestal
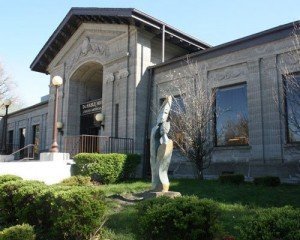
x: 170, y: 194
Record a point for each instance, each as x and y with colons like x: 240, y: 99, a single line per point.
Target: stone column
x: 255, y: 111
x: 107, y: 102
x: 271, y: 118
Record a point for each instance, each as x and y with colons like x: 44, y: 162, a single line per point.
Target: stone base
x: 170, y: 194
x: 6, y: 158
x: 49, y: 156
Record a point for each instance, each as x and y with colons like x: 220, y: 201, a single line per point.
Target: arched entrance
x: 85, y: 99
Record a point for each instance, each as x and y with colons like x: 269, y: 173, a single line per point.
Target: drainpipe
x: 127, y: 79
x: 62, y: 105
x: 163, y: 44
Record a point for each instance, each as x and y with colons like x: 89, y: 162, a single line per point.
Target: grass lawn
x: 234, y: 201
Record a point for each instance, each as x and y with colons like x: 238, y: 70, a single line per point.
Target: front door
x: 89, y: 140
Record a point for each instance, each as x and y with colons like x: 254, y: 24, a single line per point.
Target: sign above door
x: 91, y: 107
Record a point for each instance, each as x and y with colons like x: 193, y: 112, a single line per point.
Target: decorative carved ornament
x: 111, y: 77
x: 108, y: 78
x: 228, y: 73
x: 87, y: 48
x: 35, y: 120
x: 123, y: 73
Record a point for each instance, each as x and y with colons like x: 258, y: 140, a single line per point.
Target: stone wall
x: 260, y: 66
x: 27, y: 118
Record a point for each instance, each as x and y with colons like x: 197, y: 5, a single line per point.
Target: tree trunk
x: 199, y: 169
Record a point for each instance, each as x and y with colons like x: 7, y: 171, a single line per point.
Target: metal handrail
x: 23, y: 148
x: 94, y: 143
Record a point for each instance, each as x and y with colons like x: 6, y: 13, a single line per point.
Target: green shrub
x: 57, y: 212
x: 77, y: 181
x: 130, y: 165
x: 8, y: 177
x: 10, y: 202
x: 267, y: 181
x: 74, y: 213
x: 232, y: 178
x: 18, y: 232
x: 272, y: 223
x: 179, y: 218
x: 106, y: 168
x: 26, y: 201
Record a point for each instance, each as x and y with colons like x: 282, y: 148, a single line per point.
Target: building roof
x: 28, y: 109
x: 270, y: 35
x: 77, y: 16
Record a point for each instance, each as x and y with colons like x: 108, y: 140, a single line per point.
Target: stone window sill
x: 232, y: 148
x: 292, y: 145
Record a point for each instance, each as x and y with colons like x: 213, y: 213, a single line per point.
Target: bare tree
x: 7, y: 90
x: 192, y: 115
x: 289, y: 107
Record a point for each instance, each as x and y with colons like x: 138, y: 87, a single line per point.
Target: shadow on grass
x: 122, y: 225
x: 245, y: 194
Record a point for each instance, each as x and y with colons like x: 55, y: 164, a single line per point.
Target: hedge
x: 77, y: 181
x: 272, y: 223
x: 56, y: 212
x: 106, y: 168
x: 8, y: 177
x: 18, y: 232
x: 232, y: 178
x: 75, y: 213
x: 179, y: 218
x: 11, y: 202
x: 269, y: 181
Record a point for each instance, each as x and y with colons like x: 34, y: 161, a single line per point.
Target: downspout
x: 262, y: 110
x: 278, y: 78
x: 163, y: 43
x: 62, y: 105
x: 127, y: 79
x: 148, y: 109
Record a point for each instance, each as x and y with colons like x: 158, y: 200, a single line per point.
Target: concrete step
x: 291, y: 180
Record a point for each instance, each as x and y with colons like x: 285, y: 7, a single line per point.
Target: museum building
x: 115, y: 64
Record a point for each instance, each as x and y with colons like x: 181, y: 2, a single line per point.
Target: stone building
x: 116, y: 61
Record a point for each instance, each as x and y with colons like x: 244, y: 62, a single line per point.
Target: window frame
x: 215, y: 89
x: 286, y: 110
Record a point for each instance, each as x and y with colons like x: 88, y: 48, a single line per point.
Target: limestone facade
x: 121, y: 64
x: 261, y: 68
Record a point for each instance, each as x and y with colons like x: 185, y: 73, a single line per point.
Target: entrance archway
x: 85, y: 86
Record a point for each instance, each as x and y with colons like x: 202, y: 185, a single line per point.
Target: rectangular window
x: 231, y: 123
x: 22, y: 136
x: 36, y: 139
x: 10, y: 141
x: 292, y: 103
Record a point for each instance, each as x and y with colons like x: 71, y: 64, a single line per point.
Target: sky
x: 26, y: 25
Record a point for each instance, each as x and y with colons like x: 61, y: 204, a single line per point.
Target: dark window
x: 22, y: 135
x: 10, y: 141
x: 117, y: 120
x: 36, y: 139
x: 232, y: 116
x: 292, y: 100
x: 36, y: 134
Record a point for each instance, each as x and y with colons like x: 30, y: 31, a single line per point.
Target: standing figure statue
x: 161, y: 148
